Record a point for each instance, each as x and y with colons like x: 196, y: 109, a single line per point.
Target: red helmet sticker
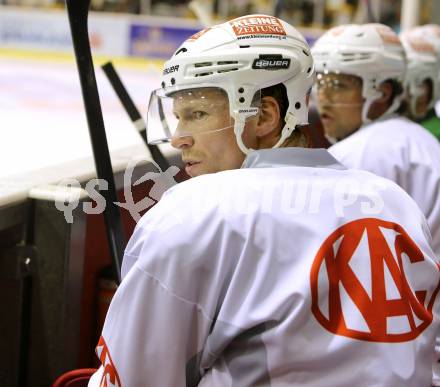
x: 110, y: 377
x: 419, y: 44
x: 371, y: 282
x: 336, y: 31
x: 386, y: 34
x: 198, y: 34
x: 257, y: 25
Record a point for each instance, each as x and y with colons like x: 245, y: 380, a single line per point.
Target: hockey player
x: 422, y: 48
x: 422, y: 45
x: 274, y: 265
x: 361, y: 71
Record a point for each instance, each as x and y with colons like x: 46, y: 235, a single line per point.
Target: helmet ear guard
x: 368, y: 102
x: 291, y: 122
x: 247, y: 98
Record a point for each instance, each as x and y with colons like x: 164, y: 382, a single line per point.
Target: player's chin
x: 195, y: 169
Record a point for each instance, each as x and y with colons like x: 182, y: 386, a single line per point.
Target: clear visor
x: 337, y: 90
x: 192, y: 112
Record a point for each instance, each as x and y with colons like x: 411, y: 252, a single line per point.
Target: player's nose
x: 182, y: 142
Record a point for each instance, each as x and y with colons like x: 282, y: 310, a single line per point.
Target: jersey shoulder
x: 388, y: 143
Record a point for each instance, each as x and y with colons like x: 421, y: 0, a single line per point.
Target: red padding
x: 75, y: 378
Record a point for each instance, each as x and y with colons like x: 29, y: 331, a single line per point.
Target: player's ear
x: 386, y: 88
x: 269, y: 118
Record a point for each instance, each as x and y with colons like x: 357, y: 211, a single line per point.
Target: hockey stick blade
x: 133, y: 113
x: 78, y: 14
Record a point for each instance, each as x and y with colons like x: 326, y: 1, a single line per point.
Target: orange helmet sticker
x: 386, y: 33
x: 420, y: 45
x: 336, y: 31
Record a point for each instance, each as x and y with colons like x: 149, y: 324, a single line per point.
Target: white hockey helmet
x: 239, y: 57
x: 431, y: 33
x: 372, y: 52
x: 422, y: 64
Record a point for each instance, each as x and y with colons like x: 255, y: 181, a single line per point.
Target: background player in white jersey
x: 422, y: 83
x: 361, y: 70
x: 274, y: 265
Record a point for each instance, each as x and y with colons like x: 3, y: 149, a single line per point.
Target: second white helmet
x: 372, y: 52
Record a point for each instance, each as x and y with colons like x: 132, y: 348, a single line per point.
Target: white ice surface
x: 44, y: 135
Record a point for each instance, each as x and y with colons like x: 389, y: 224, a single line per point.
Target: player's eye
x: 198, y: 115
x: 336, y: 84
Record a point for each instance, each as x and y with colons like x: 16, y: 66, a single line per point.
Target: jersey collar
x: 291, y: 157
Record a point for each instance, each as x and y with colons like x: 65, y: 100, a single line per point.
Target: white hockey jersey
x: 403, y: 152
x: 291, y: 271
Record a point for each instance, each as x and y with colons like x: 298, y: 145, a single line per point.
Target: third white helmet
x: 422, y: 66
x: 431, y: 33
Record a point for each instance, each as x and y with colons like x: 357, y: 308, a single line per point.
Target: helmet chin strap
x: 388, y: 113
x: 370, y: 96
x: 413, y: 107
x: 290, y: 125
x: 238, y: 130
x: 365, y: 109
x: 414, y: 96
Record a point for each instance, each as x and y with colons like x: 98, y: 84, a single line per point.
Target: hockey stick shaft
x: 78, y: 14
x: 133, y: 113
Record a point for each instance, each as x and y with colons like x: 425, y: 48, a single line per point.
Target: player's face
x: 339, y: 100
x: 208, y: 142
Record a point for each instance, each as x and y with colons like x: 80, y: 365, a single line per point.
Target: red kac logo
x: 371, y: 282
